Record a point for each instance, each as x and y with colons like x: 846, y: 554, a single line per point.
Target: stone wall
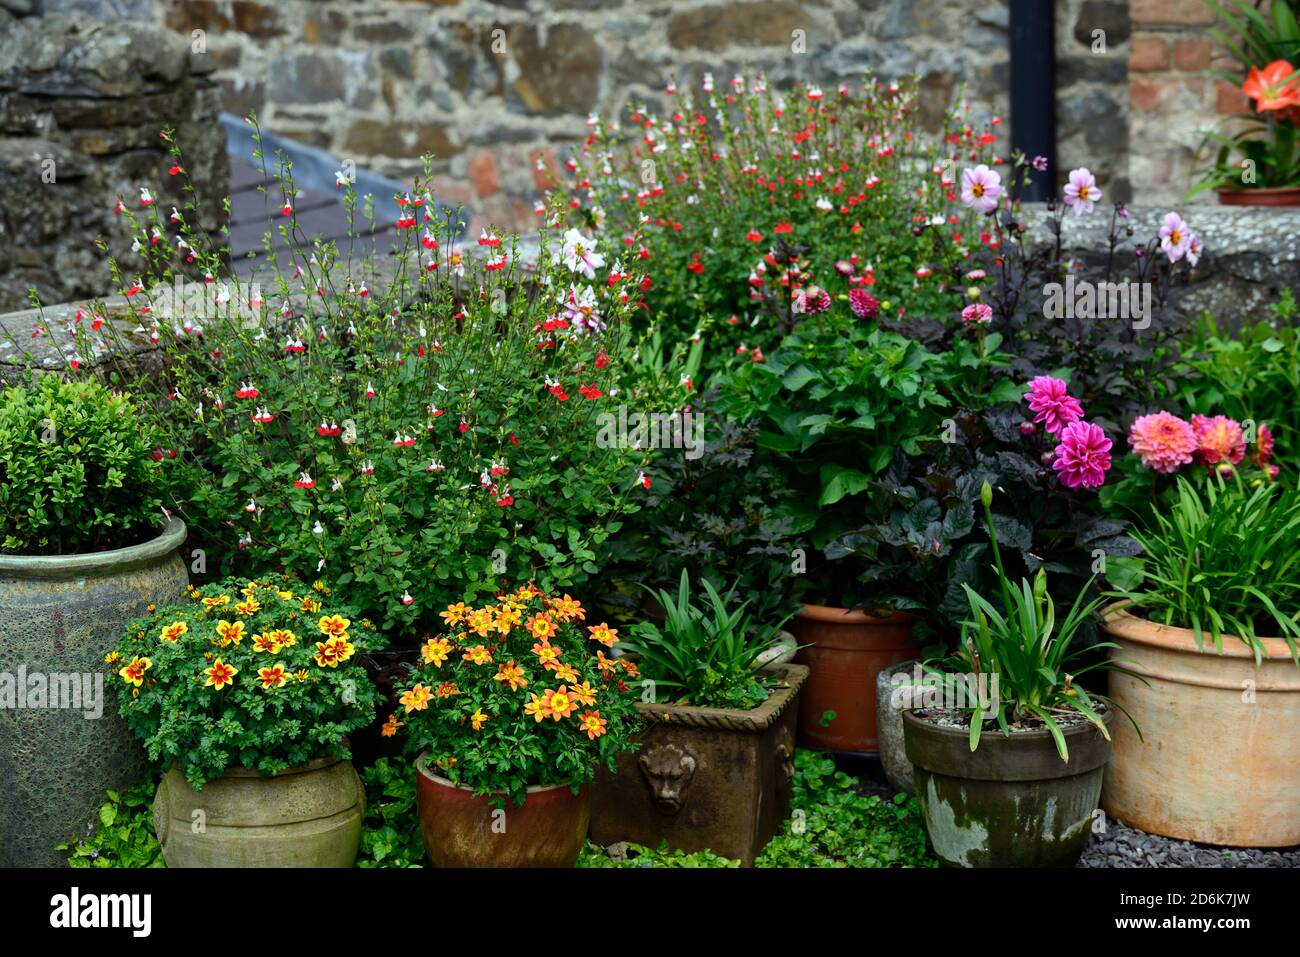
x: 81, y: 107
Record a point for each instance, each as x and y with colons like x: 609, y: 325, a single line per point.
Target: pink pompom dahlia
x: 1164, y: 441
x: 1218, y: 439
x: 863, y: 304
x: 1052, y: 404
x: 1083, y: 456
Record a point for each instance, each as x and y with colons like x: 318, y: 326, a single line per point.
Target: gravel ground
x: 1124, y: 846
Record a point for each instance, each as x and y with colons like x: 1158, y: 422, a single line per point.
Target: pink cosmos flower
x: 1175, y: 237
x: 978, y: 312
x: 863, y: 304
x: 980, y: 188
x: 1081, y: 191
x: 1218, y: 439
x: 1164, y: 441
x: 1052, y: 404
x: 1083, y: 456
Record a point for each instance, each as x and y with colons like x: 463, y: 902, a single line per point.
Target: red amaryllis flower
x: 1270, y: 87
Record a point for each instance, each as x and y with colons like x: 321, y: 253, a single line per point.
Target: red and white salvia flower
x: 146, y: 197
x: 487, y: 238
x: 435, y: 466
x: 643, y: 480
x: 304, y: 480
x: 318, y: 528
x: 262, y: 416
x: 367, y: 467
x: 246, y: 390
x: 286, y: 209
x: 119, y: 207
x: 407, y: 599
x: 403, y: 441
x: 370, y: 391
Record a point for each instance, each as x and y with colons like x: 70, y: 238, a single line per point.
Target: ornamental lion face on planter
x: 668, y: 772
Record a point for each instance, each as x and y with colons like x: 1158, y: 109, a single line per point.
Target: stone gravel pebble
x: 1122, y: 846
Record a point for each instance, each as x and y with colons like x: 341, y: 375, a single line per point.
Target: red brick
x: 1150, y: 96
x: 483, y: 174
x: 453, y: 192
x: 1230, y: 101
x: 1192, y: 54
x: 1148, y: 55
x: 1185, y: 12
x: 545, y: 169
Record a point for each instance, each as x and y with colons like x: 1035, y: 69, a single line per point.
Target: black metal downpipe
x: 1033, y: 91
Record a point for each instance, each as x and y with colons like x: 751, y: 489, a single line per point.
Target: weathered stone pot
x: 889, y: 725
x: 461, y: 830
x: 59, y: 616
x: 1219, y: 758
x: 1012, y: 802
x: 846, y: 652
x: 304, y: 817
x: 705, y: 778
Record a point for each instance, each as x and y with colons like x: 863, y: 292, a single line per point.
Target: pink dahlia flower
x: 977, y: 312
x: 1218, y: 439
x: 1264, y: 443
x: 1052, y: 405
x: 812, y: 300
x: 863, y: 304
x: 1083, y: 456
x: 1164, y: 441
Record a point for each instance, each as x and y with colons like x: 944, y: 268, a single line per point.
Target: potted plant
x: 245, y: 697
x: 509, y: 714
x: 716, y: 761
x: 1024, y: 797
x: 1212, y: 624
x: 1259, y: 166
x: 85, y: 546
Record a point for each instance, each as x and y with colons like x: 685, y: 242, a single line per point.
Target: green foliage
x: 1033, y: 659
x: 298, y: 688
x: 77, y: 470
x: 1223, y: 560
x: 638, y: 855
x: 706, y: 656
x: 513, y: 695
x: 390, y: 833
x: 122, y: 834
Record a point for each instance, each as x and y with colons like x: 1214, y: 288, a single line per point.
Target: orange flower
x: 604, y: 634
x: 216, y: 602
x: 478, y: 655
x: 629, y: 668
x: 547, y: 654
x: 266, y: 642
x: 481, y: 622
x: 391, y: 725
x: 133, y: 674
x: 220, y: 675
x: 310, y: 605
x: 174, y: 631
x: 539, y: 708
x: 592, y: 723
x: 230, y: 633
x: 542, y: 627
x: 565, y: 673
x: 512, y: 675
x: 560, y: 703
x: 446, y: 690
x: 568, y: 609
x: 1270, y: 88
x: 478, y: 719
x: 507, y: 617
x: 417, y: 699
x: 272, y: 677
x: 435, y: 651
x: 584, y: 694
x: 528, y: 592
x: 336, y: 626
x: 247, y: 607
x: 607, y: 665
x: 455, y: 614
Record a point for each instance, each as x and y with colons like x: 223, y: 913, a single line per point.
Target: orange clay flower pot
x: 846, y: 651
x: 1276, y: 196
x: 461, y: 830
x: 1221, y: 758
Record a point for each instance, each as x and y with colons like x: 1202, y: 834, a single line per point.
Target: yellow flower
x: 584, y: 694
x: 455, y: 614
x: 391, y: 725
x: 547, y: 654
x: 541, y: 626
x: 272, y: 677
x: 220, y: 675
x: 302, y: 675
x: 332, y: 653
x: 507, y: 617
x: 247, y: 607
x: 565, y: 673
x: 230, y: 633
x: 266, y: 643
x: 560, y: 703
x: 310, y: 605
x: 481, y: 622
x: 604, y: 634
x: 568, y: 609
x: 417, y: 699
x: 592, y: 723
x: 435, y: 651
x: 151, y: 607
x: 216, y: 602
x: 512, y: 675
x: 478, y: 719
x: 284, y: 595
x: 333, y: 625
x: 538, y: 707
x: 112, y: 658
x: 284, y: 637
x: 174, y: 631
x: 133, y: 674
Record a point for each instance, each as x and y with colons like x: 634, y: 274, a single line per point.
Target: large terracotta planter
x: 461, y: 830
x: 1012, y: 802
x: 59, y: 616
x: 847, y: 651
x: 304, y: 817
x: 1220, y: 762
x: 1277, y: 196
x: 705, y: 778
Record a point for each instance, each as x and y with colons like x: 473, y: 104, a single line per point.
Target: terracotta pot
x: 461, y: 830
x: 59, y: 616
x: 705, y: 778
x: 304, y: 817
x: 1220, y: 762
x: 1012, y: 802
x: 847, y: 651
x: 1277, y: 196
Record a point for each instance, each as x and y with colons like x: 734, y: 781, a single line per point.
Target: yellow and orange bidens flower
x: 547, y: 704
x: 197, y: 658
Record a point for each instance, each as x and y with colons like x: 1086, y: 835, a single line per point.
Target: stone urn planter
x: 889, y: 725
x: 705, y: 778
x: 304, y: 817
x: 1012, y: 802
x: 1219, y: 757
x: 846, y: 652
x: 462, y: 830
x: 59, y: 616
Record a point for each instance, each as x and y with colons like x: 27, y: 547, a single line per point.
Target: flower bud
x: 986, y: 494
